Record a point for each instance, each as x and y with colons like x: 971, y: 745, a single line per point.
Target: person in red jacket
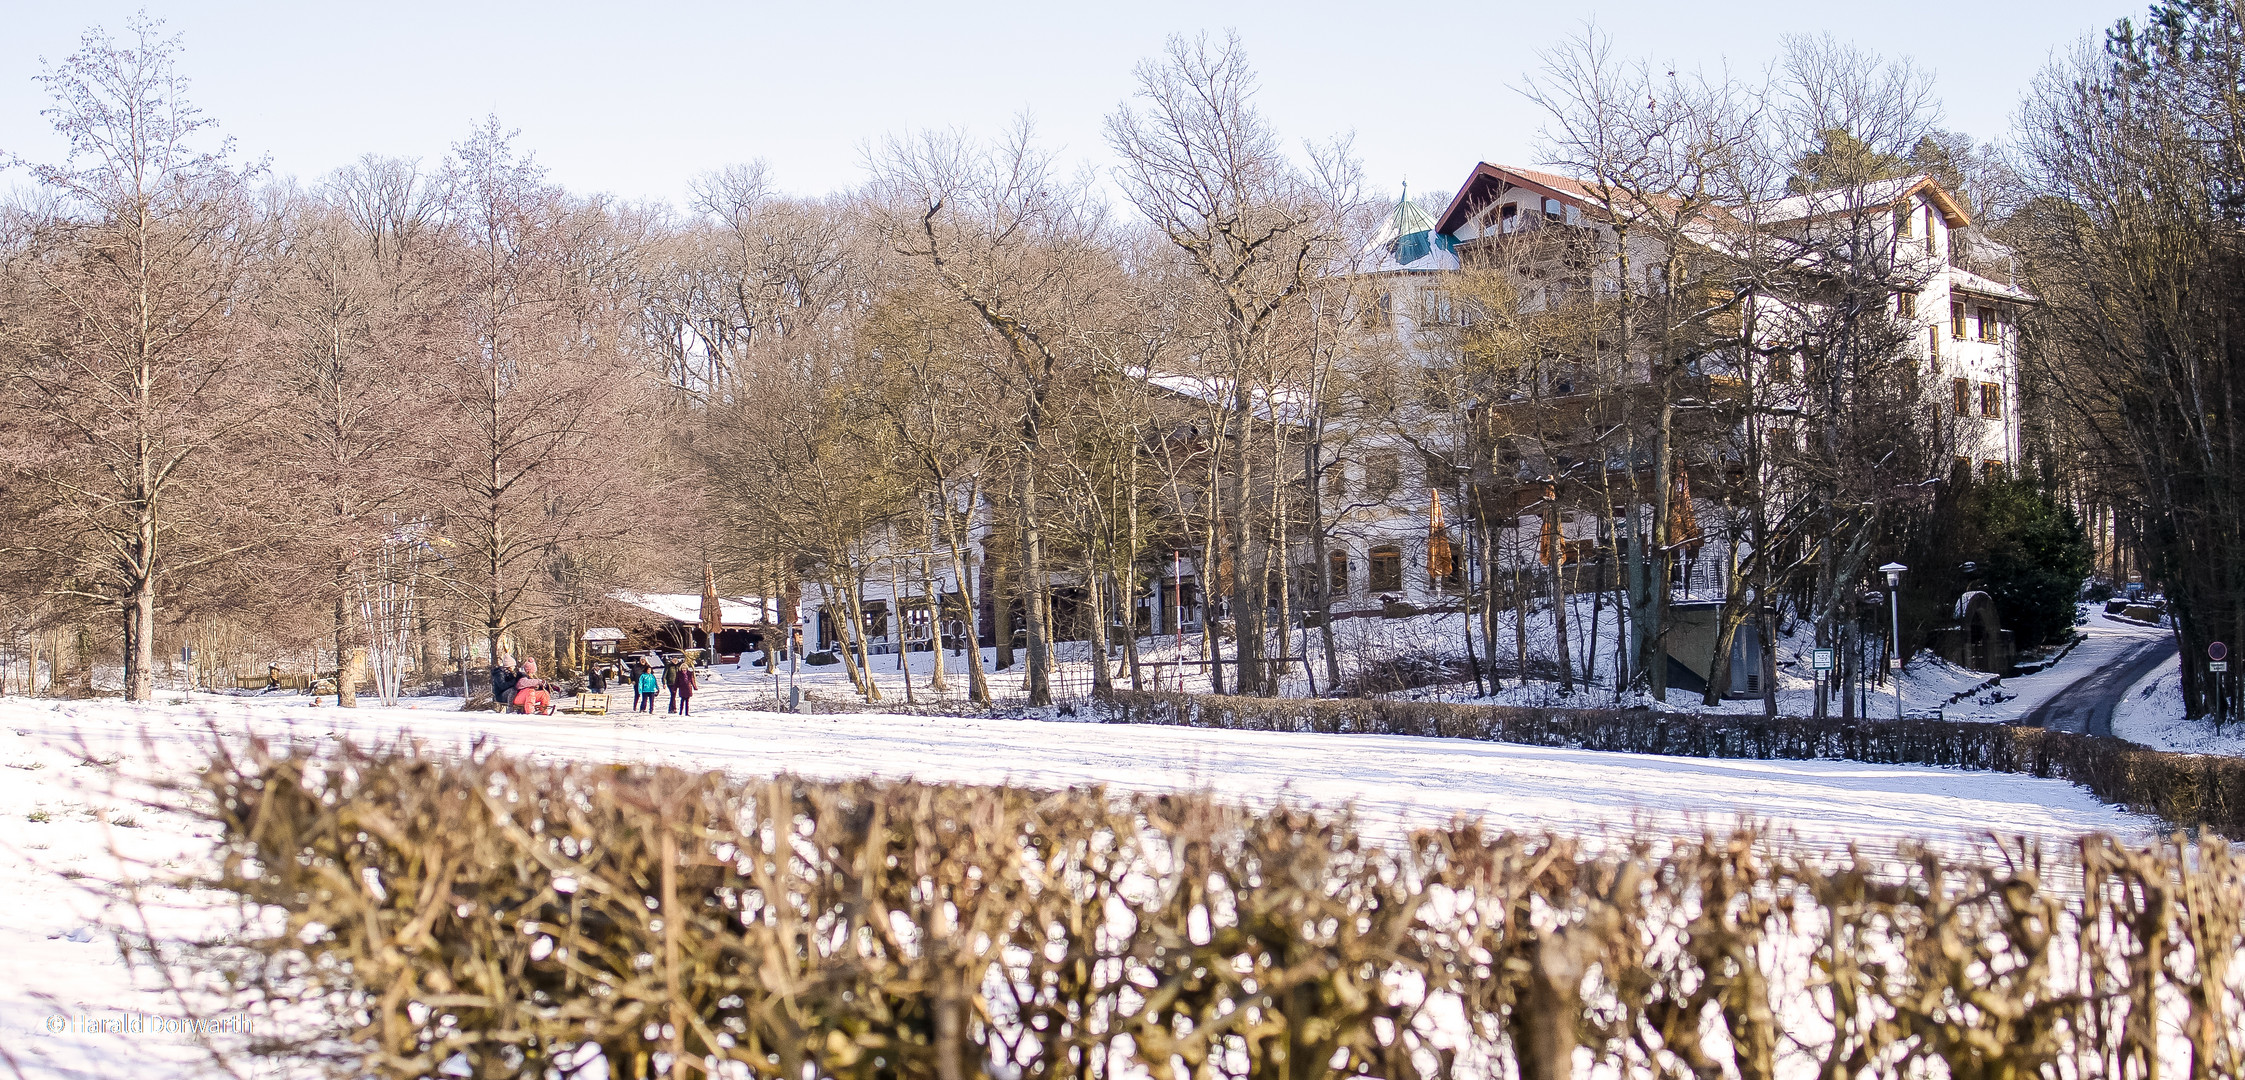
x: 686, y: 686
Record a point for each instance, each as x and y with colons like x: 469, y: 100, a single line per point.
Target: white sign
x: 1894, y: 663
x: 1823, y: 659
x: 2218, y: 665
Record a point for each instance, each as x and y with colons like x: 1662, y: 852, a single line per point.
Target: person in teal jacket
x: 643, y: 700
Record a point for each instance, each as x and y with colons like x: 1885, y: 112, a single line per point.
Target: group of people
x: 516, y: 688
x: 655, y: 673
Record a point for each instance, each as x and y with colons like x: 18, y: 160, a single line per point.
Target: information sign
x: 1823, y: 659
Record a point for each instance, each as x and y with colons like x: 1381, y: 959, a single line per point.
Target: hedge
x: 411, y: 915
x: 2189, y: 791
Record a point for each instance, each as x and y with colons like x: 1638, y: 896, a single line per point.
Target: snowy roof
x: 687, y: 607
x: 604, y: 633
x: 1408, y: 240
x: 1961, y: 280
x: 1877, y: 194
x: 1286, y: 404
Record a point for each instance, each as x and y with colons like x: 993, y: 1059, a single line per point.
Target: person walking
x: 644, y: 699
x: 685, y: 687
x: 670, y: 682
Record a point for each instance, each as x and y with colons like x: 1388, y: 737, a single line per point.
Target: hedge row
x: 2189, y: 791
x: 409, y: 915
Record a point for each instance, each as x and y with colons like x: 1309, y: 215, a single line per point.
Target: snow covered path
x: 2107, y: 644
x: 57, y: 961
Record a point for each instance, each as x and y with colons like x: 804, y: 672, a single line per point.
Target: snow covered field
x: 60, y: 819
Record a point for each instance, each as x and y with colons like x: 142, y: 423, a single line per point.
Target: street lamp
x: 1893, y: 572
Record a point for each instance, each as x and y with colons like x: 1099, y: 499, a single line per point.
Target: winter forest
x: 430, y: 412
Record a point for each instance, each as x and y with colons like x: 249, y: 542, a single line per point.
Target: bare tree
x: 125, y: 351
x: 1030, y: 256
x: 1204, y: 166
x: 535, y: 391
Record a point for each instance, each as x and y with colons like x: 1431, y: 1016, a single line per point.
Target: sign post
x: 2217, y: 663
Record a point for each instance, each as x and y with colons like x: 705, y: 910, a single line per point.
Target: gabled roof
x: 1486, y: 176
x: 687, y: 607
x: 1477, y: 192
x: 1879, y: 194
x: 1965, y: 281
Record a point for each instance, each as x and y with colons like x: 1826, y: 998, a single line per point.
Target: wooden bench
x: 590, y: 704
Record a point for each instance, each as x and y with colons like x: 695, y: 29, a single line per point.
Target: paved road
x: 2086, y: 704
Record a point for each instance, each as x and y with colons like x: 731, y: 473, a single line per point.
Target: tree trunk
x: 933, y: 590
x: 978, y: 683
x: 1209, y: 580
x: 999, y: 582
x: 1247, y: 606
x: 346, y: 694
x: 1039, y: 679
x: 1564, y: 654
x: 1095, y: 597
x: 140, y: 641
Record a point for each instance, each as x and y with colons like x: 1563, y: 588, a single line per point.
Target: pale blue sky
x: 636, y: 99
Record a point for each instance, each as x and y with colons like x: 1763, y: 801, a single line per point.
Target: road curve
x: 2087, y: 704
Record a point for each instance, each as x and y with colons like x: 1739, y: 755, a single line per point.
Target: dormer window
x: 1905, y: 220
x: 1510, y: 219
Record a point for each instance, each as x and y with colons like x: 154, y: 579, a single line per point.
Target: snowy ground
x: 2153, y: 716
x: 67, y: 836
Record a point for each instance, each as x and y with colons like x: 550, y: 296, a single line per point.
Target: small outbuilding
x: 673, y: 622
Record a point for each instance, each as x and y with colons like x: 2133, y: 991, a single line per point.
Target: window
x: 1380, y: 312
x: 1991, y: 400
x: 1956, y: 321
x: 1337, y: 572
x: 1960, y: 393
x: 1783, y: 442
x: 1990, y: 327
x: 1434, y: 308
x: 1991, y: 471
x: 1905, y: 220
x: 1933, y: 348
x: 1336, y: 480
x: 1781, y: 367
x: 1386, y: 569
x: 1383, y: 473
x: 1438, y: 387
x: 1906, y: 305
x: 1509, y: 219
x: 1963, y: 471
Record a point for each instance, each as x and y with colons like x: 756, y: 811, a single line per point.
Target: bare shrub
x: 491, y: 917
